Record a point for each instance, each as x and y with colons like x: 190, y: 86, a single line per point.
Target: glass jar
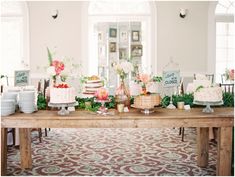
x: 122, y: 95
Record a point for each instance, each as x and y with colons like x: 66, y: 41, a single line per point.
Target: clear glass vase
x: 122, y: 95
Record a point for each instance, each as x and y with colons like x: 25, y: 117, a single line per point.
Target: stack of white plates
x: 7, y: 106
x: 27, y: 101
x: 11, y: 96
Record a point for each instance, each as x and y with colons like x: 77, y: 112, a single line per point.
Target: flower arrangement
x: 144, y: 79
x: 55, y: 66
x: 61, y: 69
x: 229, y: 74
x: 123, y: 68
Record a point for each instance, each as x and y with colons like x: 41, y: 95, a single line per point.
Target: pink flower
x: 59, y: 66
x: 102, y: 94
x: 145, y: 78
x: 231, y: 74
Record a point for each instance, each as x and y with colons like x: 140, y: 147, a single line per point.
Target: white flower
x: 51, y: 71
x: 126, y: 66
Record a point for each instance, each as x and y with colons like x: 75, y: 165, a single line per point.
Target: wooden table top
x: 133, y: 119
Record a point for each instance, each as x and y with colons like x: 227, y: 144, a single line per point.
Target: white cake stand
x: 208, y: 105
x: 63, y: 106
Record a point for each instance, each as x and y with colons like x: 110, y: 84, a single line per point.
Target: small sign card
x: 171, y: 78
x: 21, y: 77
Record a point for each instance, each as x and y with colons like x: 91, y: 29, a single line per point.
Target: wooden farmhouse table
x: 223, y: 118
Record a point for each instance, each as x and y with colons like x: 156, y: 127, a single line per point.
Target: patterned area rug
x: 114, y: 152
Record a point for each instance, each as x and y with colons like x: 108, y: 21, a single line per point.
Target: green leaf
x: 199, y: 87
x: 49, y: 56
x: 228, y: 99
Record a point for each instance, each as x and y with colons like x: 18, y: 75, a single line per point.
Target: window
x: 224, y: 37
x: 14, y: 43
x: 122, y: 18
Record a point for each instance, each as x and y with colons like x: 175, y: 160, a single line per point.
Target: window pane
x: 10, y: 7
x: 221, y: 28
x: 231, y: 28
x: 119, y: 7
x: 221, y: 42
x: 221, y: 54
x: 230, y: 42
x: 231, y: 54
x: 11, y: 45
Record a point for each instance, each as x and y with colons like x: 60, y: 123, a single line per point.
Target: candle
x: 180, y: 105
x: 120, y: 107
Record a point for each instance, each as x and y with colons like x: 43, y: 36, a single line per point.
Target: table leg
x: 3, y: 151
x: 224, y: 151
x: 25, y: 148
x: 202, y: 146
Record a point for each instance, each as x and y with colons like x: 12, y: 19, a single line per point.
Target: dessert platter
x: 62, y: 96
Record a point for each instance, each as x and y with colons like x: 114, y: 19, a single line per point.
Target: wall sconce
x: 183, y: 13
x: 54, y: 13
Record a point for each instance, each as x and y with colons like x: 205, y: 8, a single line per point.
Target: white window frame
x: 25, y: 34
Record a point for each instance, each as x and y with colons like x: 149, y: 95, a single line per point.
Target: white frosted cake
x: 192, y: 87
x: 92, y: 84
x: 209, y: 94
x: 62, y: 95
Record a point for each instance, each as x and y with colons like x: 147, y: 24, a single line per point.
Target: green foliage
x: 41, y: 102
x: 228, y: 99
x: 49, y: 56
x: 186, y: 98
x: 132, y: 100
x: 93, y: 106
x: 157, y: 78
x: 111, y: 104
x: 165, y: 101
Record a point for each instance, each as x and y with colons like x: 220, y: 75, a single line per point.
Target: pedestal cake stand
x: 63, y: 106
x: 102, y: 110
x: 143, y: 110
x: 208, y: 105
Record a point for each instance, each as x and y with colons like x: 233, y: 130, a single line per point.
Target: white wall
x: 62, y: 35
x: 183, y: 39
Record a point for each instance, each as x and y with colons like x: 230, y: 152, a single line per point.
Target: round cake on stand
x: 62, y: 96
x: 146, y: 103
x: 210, y: 96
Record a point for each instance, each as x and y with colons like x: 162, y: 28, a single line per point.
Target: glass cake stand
x: 63, y: 106
x: 144, y: 110
x: 208, y: 105
x: 102, y: 110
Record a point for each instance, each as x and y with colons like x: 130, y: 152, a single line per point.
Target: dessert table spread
x: 223, y: 118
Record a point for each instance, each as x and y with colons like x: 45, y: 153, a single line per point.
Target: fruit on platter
x: 62, y: 86
x: 93, y: 78
x: 102, y: 94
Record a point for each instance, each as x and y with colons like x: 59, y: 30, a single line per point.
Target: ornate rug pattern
x: 113, y: 152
